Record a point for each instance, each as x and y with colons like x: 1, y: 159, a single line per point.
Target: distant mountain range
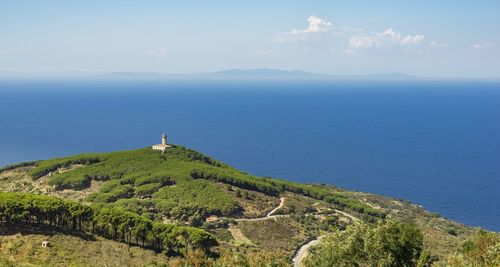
x: 257, y: 74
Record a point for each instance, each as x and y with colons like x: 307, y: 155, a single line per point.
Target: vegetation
x: 112, y: 223
x: 482, y: 250
x: 184, y: 199
x: 47, y: 166
x: 146, y: 200
x: 18, y: 165
x: 274, y: 187
x: 389, y: 244
x: 145, y: 173
x: 22, y: 248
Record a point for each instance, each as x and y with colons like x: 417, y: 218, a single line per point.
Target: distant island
x: 256, y: 74
x: 167, y: 205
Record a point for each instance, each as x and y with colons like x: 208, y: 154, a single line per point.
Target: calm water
x: 434, y: 143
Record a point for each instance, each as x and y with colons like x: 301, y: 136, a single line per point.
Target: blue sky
x: 427, y: 38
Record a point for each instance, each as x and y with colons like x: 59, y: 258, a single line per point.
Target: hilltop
x: 196, y: 202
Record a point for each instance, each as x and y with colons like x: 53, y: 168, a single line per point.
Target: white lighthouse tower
x: 163, y: 146
x: 164, y: 139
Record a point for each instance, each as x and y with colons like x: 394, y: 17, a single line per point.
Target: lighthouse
x: 164, y: 139
x: 164, y: 145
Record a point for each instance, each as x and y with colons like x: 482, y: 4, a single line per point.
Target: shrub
x: 390, y: 244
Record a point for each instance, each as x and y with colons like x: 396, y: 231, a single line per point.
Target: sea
x: 434, y: 143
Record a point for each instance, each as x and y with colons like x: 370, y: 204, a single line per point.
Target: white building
x: 163, y: 146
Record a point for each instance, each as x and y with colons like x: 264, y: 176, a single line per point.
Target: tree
x: 387, y: 244
x: 482, y: 250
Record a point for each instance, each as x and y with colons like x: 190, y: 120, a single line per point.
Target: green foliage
x: 147, y: 189
x: 390, y: 244
x: 113, y: 223
x: 274, y: 186
x: 482, y: 250
x: 237, y: 179
x: 18, y: 165
x: 199, y: 258
x: 394, y: 244
x: 197, y: 196
x: 111, y: 191
x: 162, y: 180
x: 144, y: 173
x: 43, y: 168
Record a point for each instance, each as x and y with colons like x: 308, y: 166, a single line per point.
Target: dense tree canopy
x: 145, y: 173
x: 113, y: 223
x: 388, y: 244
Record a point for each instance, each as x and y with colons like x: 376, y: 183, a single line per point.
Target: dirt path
x: 239, y: 236
x: 282, y: 203
x: 304, y: 250
x: 269, y: 215
x: 354, y: 219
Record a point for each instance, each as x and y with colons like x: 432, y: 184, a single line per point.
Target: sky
x: 459, y: 38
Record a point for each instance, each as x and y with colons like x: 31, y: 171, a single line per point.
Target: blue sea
x: 435, y: 143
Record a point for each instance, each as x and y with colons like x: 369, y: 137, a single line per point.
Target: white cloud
x: 438, y: 45
x: 389, y: 37
x: 357, y: 42
x: 159, y: 53
x: 389, y: 34
x: 316, y: 25
x: 413, y: 40
x: 481, y: 45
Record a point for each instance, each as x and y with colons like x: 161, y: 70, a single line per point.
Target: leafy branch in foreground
x: 388, y: 244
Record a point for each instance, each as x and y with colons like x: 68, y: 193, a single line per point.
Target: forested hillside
x: 192, y: 209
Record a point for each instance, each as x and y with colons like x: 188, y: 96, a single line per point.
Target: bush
x: 390, y: 244
x: 482, y: 250
x: 18, y: 165
x: 43, y: 168
x: 147, y: 190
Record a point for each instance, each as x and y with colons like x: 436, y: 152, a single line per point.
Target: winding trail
x: 304, y: 250
x: 282, y: 203
x: 354, y: 219
x: 239, y: 236
x: 269, y: 215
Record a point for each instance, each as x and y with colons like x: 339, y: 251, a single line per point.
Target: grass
x: 24, y: 249
x: 282, y: 234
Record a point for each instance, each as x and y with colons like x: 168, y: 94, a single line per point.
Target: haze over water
x: 434, y: 143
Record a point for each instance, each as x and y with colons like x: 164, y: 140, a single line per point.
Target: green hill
x: 184, y: 201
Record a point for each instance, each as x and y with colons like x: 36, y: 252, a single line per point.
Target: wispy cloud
x: 438, y: 45
x: 158, y: 53
x: 386, y: 38
x: 481, y: 45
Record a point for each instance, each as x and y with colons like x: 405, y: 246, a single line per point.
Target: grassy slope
x: 24, y: 249
x: 163, y: 187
